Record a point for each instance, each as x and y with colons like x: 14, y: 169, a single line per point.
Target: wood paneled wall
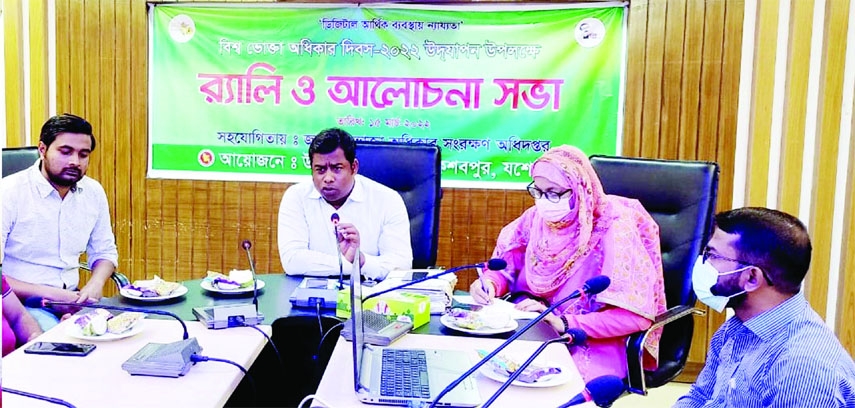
x: 681, y: 103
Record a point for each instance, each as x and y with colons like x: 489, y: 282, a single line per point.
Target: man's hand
x: 92, y: 292
x: 348, y: 241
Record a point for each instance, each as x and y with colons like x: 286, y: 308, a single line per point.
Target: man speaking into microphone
x: 573, y: 233
x: 372, y: 218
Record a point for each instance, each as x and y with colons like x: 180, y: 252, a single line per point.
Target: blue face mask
x: 704, y: 277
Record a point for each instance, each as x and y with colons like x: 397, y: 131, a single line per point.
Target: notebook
x: 423, y: 373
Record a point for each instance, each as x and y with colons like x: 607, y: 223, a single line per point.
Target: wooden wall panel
x: 14, y: 73
x: 681, y: 98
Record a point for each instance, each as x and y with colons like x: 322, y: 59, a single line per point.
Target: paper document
x: 499, y: 305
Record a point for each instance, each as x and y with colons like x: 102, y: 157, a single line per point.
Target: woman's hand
x: 530, y: 305
x: 478, y: 291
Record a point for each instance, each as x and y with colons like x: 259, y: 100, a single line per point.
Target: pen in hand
x: 483, y: 288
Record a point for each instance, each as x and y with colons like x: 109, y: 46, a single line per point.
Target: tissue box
x: 414, y: 306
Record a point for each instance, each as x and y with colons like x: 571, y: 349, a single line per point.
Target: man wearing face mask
x: 52, y: 214
x: 775, y: 351
x: 575, y: 232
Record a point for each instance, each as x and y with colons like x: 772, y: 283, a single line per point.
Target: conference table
x: 274, y: 303
x: 98, y: 380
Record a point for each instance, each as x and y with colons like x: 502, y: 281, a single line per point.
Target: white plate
x: 448, y: 321
x: 207, y: 286
x: 180, y: 291
x: 74, y: 331
x: 546, y: 381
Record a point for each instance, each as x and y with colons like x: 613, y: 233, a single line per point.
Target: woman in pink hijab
x: 573, y: 233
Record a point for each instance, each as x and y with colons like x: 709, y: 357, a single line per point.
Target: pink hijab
x: 602, y: 235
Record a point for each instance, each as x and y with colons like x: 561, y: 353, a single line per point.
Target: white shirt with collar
x: 307, y: 244
x: 44, y: 235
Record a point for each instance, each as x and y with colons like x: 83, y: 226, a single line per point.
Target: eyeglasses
x: 550, y: 195
x: 707, y: 255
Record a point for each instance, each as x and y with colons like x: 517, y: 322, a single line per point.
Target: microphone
x: 335, y: 219
x: 236, y: 314
x: 39, y: 303
x: 603, y: 390
x: 573, y: 337
x: 154, y: 359
x: 246, y: 244
x: 495, y: 264
x: 591, y: 287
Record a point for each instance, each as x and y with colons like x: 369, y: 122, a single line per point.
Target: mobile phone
x: 415, y: 275
x: 60, y: 349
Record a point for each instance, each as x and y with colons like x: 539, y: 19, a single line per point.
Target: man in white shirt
x: 52, y: 214
x: 372, y: 217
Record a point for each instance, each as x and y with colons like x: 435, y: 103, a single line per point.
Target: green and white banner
x: 237, y: 93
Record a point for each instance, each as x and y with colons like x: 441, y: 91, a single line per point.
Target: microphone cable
x: 323, y: 337
x: 52, y: 400
x: 196, y: 358
x: 313, y: 397
x: 269, y: 341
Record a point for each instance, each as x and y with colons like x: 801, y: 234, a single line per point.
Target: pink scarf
x: 602, y: 235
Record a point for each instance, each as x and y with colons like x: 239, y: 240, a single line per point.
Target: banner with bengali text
x: 237, y: 93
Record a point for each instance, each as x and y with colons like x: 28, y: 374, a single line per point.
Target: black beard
x: 58, y: 180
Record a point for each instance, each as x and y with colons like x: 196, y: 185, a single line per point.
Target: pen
x: 481, y: 279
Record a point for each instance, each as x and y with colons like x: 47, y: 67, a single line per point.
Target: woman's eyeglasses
x: 550, y: 195
x: 706, y: 255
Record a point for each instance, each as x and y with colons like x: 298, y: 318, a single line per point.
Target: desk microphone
x: 573, y: 337
x: 335, y: 219
x: 154, y: 359
x: 495, y: 264
x: 246, y: 245
x: 603, y: 390
x: 591, y: 287
x: 38, y: 303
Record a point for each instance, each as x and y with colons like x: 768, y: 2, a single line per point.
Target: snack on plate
x: 507, y: 366
x: 468, y: 319
x: 237, y: 279
x: 99, y: 322
x: 156, y: 287
x: 124, y: 322
x: 93, y: 323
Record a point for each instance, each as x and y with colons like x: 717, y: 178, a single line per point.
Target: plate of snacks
x: 478, y: 323
x: 153, y: 290
x: 237, y: 281
x: 500, y: 368
x: 101, y: 325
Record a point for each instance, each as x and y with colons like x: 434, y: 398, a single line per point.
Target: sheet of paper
x: 498, y: 304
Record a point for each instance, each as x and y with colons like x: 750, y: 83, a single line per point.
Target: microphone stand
x: 523, y: 366
x: 501, y: 347
x: 246, y: 246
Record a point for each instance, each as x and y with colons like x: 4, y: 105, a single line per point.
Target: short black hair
x: 330, y: 139
x: 773, y: 240
x: 65, y: 123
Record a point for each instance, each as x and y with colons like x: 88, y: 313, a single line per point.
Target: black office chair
x: 681, y: 197
x: 16, y: 159
x: 414, y: 172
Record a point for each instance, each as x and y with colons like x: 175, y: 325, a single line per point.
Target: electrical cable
x: 200, y: 358
x: 324, y: 336
x: 314, y: 397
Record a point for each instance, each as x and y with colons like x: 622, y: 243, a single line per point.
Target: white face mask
x: 553, y: 212
x: 704, y: 277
